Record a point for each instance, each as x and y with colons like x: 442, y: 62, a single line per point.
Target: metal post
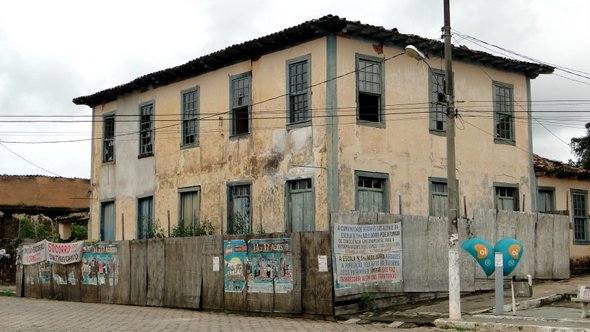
x: 499, y: 278
x: 454, y: 277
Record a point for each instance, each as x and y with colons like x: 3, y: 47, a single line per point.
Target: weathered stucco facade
x: 335, y: 149
x: 563, y: 189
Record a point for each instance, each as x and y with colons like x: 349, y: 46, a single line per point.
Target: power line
x: 30, y: 162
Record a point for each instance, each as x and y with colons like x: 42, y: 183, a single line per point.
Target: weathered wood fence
x: 181, y: 273
x: 189, y: 272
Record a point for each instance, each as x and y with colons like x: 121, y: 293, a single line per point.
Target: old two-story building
x: 563, y: 189
x: 276, y: 133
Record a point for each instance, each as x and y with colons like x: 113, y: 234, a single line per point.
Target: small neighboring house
x: 563, y: 189
x: 275, y: 133
x: 34, y: 195
x: 42, y: 198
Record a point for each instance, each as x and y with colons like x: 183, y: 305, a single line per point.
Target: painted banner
x: 270, y: 266
x: 361, y: 239
x: 235, y: 258
x: 64, y: 253
x: 367, y: 253
x: 100, y: 264
x: 35, y: 253
x: 356, y: 269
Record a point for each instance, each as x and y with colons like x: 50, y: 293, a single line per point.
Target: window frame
x: 497, y: 113
x: 433, y: 105
x: 108, y: 139
x: 304, y: 92
x: 248, y: 106
x: 183, y: 191
x: 513, y: 186
x: 551, y: 201
x: 151, y: 130
x: 140, y: 232
x: 381, y: 95
x: 288, y: 195
x: 185, y: 120
x: 384, y: 177
x: 229, y: 222
x: 576, y: 240
x: 432, y: 181
x: 102, y: 225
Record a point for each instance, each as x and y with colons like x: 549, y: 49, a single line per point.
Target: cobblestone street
x: 25, y: 314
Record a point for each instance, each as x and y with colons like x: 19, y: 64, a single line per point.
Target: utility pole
x: 454, y: 276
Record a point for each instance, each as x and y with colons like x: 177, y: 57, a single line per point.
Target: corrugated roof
x: 558, y: 169
x: 302, y: 33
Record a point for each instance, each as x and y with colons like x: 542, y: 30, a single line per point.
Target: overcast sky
x: 53, y: 51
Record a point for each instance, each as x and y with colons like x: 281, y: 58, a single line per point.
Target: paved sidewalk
x: 548, y: 308
x: 25, y: 314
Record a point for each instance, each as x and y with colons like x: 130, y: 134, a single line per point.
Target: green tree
x: 581, y: 148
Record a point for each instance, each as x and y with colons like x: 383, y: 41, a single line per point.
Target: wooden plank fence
x: 180, y: 273
x: 189, y: 272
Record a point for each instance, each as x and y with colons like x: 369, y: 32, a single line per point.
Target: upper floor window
x: 506, y: 197
x: 108, y: 138
x: 369, y: 85
x: 437, y: 109
x: 371, y: 192
x: 241, y: 91
x: 190, y: 114
x: 146, y: 129
x: 503, y: 113
x: 580, y: 215
x: 298, y: 87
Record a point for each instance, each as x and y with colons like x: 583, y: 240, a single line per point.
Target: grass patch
x: 6, y: 292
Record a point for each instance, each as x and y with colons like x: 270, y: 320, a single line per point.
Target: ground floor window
x: 300, y: 206
x: 239, y: 214
x: 371, y: 191
x: 107, y: 221
x: 145, y: 217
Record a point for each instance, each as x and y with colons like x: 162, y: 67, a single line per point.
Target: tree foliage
x: 581, y: 148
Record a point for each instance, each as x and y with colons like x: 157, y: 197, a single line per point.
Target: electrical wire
x: 28, y: 161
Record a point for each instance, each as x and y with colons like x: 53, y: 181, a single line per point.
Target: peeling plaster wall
x: 272, y: 154
x: 409, y: 153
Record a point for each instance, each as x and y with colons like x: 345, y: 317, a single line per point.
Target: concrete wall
x: 425, y: 249
x: 274, y: 153
x: 563, y: 202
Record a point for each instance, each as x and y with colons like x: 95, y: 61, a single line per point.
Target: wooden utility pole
x: 454, y: 276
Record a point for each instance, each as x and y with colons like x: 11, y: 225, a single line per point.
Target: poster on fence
x: 64, y: 253
x: 100, y: 264
x: 270, y: 266
x: 45, y: 271
x: 352, y: 239
x: 356, y: 269
x: 235, y: 258
x: 368, y: 253
x: 34, y: 253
